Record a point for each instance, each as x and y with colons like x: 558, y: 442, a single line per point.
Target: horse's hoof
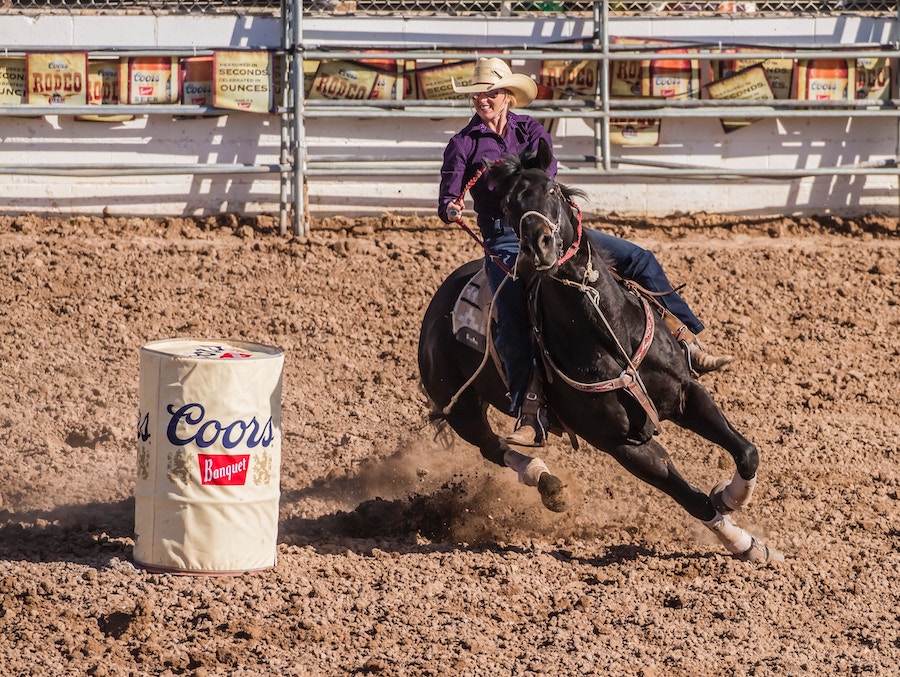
x: 716, y: 497
x: 552, y: 492
x: 760, y: 552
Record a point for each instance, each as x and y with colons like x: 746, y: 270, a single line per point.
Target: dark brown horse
x: 612, y: 372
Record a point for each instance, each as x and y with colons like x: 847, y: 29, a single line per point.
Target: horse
x: 612, y: 372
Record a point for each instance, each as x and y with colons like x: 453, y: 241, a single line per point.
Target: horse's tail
x: 443, y: 433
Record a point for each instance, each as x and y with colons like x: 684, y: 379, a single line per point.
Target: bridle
x: 554, y: 227
x: 629, y: 379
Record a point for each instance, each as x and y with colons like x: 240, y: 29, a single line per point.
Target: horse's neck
x: 591, y: 268
x: 593, y: 295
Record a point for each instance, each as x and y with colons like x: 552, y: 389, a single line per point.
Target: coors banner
x: 57, y: 79
x: 208, y: 456
x: 152, y: 79
x: 568, y: 79
x: 197, y: 81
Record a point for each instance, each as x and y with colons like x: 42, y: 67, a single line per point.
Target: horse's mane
x: 503, y: 173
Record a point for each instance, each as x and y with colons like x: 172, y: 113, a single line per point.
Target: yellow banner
x: 103, y: 82
x: 243, y: 81
x: 437, y: 82
x: 57, y: 79
x: 569, y: 79
x: 750, y: 83
x: 779, y: 71
x: 873, y: 79
x: 12, y: 81
x: 634, y: 132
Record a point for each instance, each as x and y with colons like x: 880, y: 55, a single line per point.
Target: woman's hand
x: 454, y: 211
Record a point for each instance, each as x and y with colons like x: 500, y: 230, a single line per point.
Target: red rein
x: 570, y: 252
x: 462, y: 224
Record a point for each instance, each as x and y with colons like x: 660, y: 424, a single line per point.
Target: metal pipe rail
x: 96, y: 169
x: 663, y: 171
x: 602, y: 109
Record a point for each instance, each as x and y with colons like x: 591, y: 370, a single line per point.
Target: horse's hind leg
x: 651, y: 463
x: 702, y: 416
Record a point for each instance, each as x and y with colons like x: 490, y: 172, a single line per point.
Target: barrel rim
x: 265, y: 349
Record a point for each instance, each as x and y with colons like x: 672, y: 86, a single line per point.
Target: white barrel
x: 208, y: 456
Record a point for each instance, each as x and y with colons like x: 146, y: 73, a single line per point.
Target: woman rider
x: 495, y: 131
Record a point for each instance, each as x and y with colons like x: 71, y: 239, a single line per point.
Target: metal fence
x: 460, y: 7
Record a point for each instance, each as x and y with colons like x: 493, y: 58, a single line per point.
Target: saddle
x: 468, y: 316
x: 468, y: 321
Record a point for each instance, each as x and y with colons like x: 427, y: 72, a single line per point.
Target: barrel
x: 208, y: 456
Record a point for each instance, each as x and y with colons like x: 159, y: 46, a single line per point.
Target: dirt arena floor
x: 397, y: 556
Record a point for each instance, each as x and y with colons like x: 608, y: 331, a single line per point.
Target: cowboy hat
x: 493, y: 73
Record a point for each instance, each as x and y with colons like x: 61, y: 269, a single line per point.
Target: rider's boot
x: 531, y: 428
x: 699, y: 360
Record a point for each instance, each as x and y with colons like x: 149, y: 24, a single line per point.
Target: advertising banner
x: 823, y: 79
x: 873, y: 79
x: 780, y: 73
x: 12, y: 81
x: 437, y: 82
x: 152, y: 80
x: 634, y: 132
x: 242, y: 81
x: 104, y: 90
x: 568, y: 79
x: 343, y: 80
x: 57, y: 79
x: 671, y: 78
x: 197, y: 81
x: 750, y: 83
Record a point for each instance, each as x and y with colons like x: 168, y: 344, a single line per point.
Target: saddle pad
x: 469, y: 312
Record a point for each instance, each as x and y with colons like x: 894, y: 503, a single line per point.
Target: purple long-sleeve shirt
x: 465, y: 155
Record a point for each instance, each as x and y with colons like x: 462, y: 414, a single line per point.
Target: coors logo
x: 205, y: 432
x: 189, y: 424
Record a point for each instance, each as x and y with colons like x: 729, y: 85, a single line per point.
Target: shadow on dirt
x: 90, y: 534
x: 449, y: 518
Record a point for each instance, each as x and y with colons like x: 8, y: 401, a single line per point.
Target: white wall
x: 254, y: 139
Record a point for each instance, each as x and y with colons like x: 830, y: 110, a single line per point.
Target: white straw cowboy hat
x: 493, y: 73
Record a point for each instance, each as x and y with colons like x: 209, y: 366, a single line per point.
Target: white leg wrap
x: 733, y: 537
x: 529, y: 469
x: 739, y: 491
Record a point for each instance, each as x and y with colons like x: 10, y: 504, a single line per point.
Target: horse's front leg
x: 533, y: 472
x: 703, y: 416
x: 651, y: 463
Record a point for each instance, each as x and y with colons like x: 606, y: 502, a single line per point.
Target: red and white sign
x: 224, y: 469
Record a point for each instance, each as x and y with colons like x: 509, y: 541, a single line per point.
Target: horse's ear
x: 544, y: 155
x: 500, y: 173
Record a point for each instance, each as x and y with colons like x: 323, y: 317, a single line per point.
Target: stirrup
x: 530, y: 431
x: 703, y: 362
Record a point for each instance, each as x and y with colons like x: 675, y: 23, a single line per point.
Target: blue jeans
x: 513, y: 338
x: 639, y: 264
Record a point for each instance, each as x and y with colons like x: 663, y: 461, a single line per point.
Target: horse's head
x: 539, y: 209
